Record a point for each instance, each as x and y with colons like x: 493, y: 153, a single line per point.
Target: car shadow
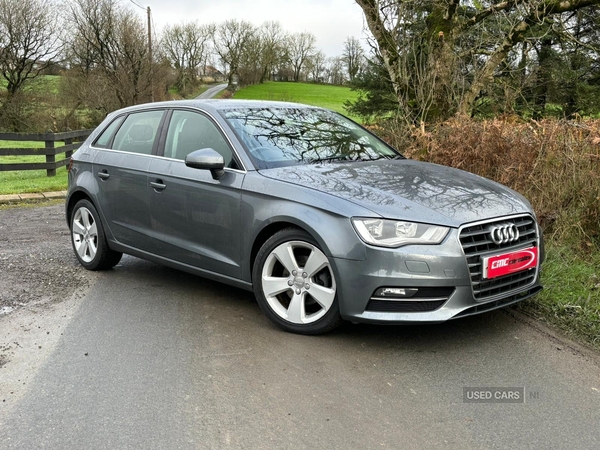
x: 223, y: 299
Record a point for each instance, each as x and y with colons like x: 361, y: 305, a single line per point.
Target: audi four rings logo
x: 503, y: 234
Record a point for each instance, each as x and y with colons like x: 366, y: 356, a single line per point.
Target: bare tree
x: 301, y: 47
x: 273, y: 50
x: 353, y: 56
x: 335, y: 71
x: 250, y: 67
x: 187, y: 47
x: 110, y: 42
x: 317, y: 66
x: 29, y: 41
x: 230, y: 42
x: 262, y: 53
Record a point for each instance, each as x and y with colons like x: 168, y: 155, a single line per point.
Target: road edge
x: 557, y: 336
x: 31, y: 197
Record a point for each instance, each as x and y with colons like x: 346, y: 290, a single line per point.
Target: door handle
x: 158, y: 185
x: 104, y: 175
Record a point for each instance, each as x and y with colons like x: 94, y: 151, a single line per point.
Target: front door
x: 196, y: 219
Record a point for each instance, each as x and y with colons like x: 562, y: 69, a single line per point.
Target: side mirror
x: 207, y: 159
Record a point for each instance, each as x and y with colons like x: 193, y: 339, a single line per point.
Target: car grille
x: 514, y: 298
x: 477, y: 244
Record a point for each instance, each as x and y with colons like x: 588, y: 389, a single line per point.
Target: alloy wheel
x: 85, y: 234
x: 298, y: 282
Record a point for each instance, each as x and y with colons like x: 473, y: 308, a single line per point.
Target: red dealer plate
x: 500, y: 265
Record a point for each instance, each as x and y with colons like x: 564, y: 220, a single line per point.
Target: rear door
x: 122, y: 170
x: 196, y: 219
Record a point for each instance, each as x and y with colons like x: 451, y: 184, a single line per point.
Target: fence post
x: 50, y: 159
x: 69, y: 153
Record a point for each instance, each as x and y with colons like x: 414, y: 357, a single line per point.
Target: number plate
x: 508, y: 263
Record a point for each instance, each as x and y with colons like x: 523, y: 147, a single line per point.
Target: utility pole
x: 150, y: 55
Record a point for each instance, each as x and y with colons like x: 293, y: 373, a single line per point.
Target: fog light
x: 396, y: 292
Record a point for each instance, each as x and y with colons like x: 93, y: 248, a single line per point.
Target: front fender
x: 325, y: 221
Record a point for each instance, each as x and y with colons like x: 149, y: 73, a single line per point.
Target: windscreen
x: 277, y: 137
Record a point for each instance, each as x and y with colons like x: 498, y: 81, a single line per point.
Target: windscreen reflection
x: 277, y: 137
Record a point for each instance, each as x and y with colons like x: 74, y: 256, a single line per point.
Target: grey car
x: 319, y: 217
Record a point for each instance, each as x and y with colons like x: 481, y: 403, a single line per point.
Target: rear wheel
x: 89, y: 240
x: 294, y: 283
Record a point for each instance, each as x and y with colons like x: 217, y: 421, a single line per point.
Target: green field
x: 44, y: 84
x: 25, y: 181
x: 325, y: 96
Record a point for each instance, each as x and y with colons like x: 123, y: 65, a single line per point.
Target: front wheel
x: 89, y: 240
x: 294, y: 283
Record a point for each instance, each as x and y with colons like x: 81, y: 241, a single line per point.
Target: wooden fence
x: 72, y: 140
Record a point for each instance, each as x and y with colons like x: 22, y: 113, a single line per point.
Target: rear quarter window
x: 103, y: 140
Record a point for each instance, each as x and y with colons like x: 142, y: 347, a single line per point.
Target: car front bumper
x: 438, y: 269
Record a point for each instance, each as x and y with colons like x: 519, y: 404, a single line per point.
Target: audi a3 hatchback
x: 319, y: 217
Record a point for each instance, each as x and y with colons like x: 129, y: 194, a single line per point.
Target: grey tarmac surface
x: 146, y: 357
x: 211, y: 92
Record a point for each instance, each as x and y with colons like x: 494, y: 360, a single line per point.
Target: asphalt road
x: 146, y: 357
x: 211, y: 92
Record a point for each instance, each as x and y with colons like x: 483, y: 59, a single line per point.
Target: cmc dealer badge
x: 508, y: 263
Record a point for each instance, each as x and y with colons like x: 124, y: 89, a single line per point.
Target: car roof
x: 215, y: 105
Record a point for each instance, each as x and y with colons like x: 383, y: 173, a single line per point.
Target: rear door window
x: 138, y: 132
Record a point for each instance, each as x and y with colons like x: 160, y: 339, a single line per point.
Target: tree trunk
x: 486, y: 75
x: 385, y: 39
x: 543, y: 78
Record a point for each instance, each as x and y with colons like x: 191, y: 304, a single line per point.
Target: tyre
x: 89, y: 240
x: 294, y: 283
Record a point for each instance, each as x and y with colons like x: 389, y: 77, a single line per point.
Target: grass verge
x: 30, y: 181
x: 323, y: 95
x: 36, y: 204
x: 571, y: 297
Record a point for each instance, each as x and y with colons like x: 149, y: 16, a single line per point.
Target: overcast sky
x: 331, y: 21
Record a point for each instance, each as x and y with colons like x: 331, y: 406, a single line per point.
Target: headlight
x: 392, y: 233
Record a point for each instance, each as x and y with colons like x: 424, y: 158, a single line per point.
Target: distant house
x: 213, y: 72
